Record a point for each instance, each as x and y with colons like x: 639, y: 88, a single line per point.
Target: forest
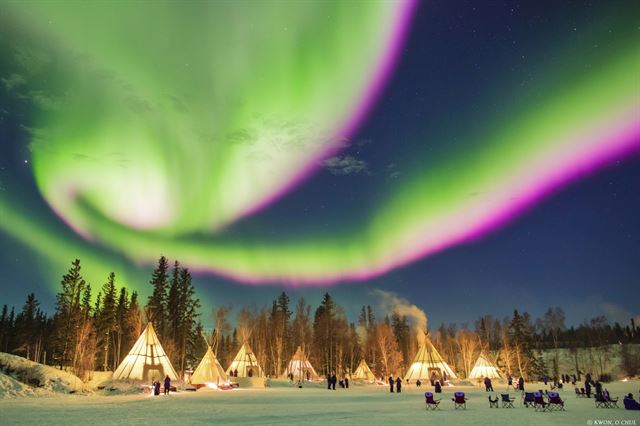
x: 88, y: 332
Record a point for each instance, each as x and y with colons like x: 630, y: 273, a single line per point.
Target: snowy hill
x: 33, y: 377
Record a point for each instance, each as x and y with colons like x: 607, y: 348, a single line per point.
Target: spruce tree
x: 108, y: 320
x: 157, y: 302
x: 68, y: 315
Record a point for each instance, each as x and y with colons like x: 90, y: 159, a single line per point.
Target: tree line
x: 87, y: 333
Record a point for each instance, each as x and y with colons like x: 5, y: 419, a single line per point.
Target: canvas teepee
x: 209, y: 370
x: 246, y: 363
x: 363, y: 372
x: 484, y: 368
x: 147, y: 360
x: 428, y: 363
x: 300, y: 367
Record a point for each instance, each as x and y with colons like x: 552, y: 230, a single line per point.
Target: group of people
x: 332, y: 380
x: 397, y: 382
x: 234, y: 373
x: 519, y: 384
x: 155, y: 386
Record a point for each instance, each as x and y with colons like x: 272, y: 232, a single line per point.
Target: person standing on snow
x: 390, y: 384
x: 167, y: 385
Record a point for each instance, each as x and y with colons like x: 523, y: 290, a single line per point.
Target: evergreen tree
x: 26, y: 328
x: 68, y: 316
x: 121, y: 325
x: 157, y: 302
x: 107, y: 325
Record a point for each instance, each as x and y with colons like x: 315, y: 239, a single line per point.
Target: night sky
x: 470, y: 157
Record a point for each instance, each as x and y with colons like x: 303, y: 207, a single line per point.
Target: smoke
x: 391, y: 302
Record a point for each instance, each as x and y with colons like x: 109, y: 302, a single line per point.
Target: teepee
x: 428, y: 363
x: 484, y: 368
x: 363, y: 372
x: 300, y: 367
x: 209, y: 371
x: 246, y: 363
x: 147, y: 360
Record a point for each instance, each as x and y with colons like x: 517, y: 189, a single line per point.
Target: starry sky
x: 470, y: 158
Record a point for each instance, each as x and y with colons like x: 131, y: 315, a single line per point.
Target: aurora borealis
x: 198, y: 130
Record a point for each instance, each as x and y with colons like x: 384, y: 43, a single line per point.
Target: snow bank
x: 39, y: 375
x: 11, y: 388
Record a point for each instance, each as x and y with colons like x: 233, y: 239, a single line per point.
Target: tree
x: 27, y: 333
x: 553, y: 324
x: 68, y: 318
x: 108, y: 321
x: 157, y: 303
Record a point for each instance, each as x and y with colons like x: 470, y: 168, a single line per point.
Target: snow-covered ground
x: 283, y: 405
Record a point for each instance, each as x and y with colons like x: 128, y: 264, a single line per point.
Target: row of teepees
x: 147, y: 360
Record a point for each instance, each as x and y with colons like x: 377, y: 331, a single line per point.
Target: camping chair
x: 507, y: 402
x: 600, y: 401
x: 555, y: 402
x: 459, y: 401
x: 611, y: 402
x: 539, y: 403
x: 528, y: 399
x: 431, y: 403
x: 493, y: 403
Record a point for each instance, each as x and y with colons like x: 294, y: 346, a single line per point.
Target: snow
x: 42, y: 377
x: 11, y: 388
x: 284, y: 404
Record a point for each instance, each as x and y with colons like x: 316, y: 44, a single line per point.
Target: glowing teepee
x: 484, y: 368
x: 147, y: 360
x: 300, y: 367
x: 209, y: 371
x: 363, y: 372
x: 428, y: 364
x: 246, y: 363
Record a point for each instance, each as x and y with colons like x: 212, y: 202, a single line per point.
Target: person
x: 346, y: 382
x: 587, y: 388
x: 587, y: 378
x: 630, y: 403
x: 167, y: 385
x: 390, y: 384
x: 334, y: 380
x: 545, y: 379
x: 555, y: 382
x: 341, y: 383
x: 156, y: 387
x: 329, y: 381
x: 250, y: 372
x: 433, y: 378
x: 235, y: 373
x: 418, y: 383
x: 521, y: 384
x: 308, y: 376
x: 509, y: 381
x: 399, y: 384
x: 488, y: 386
x: 574, y: 379
x: 438, y: 387
x: 598, y: 387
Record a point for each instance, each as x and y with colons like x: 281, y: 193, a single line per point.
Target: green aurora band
x: 153, y: 138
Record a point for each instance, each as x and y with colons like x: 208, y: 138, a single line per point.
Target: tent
x: 428, y: 364
x: 363, y: 372
x: 209, y: 371
x: 300, y: 367
x: 484, y: 368
x: 147, y: 360
x: 246, y: 363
